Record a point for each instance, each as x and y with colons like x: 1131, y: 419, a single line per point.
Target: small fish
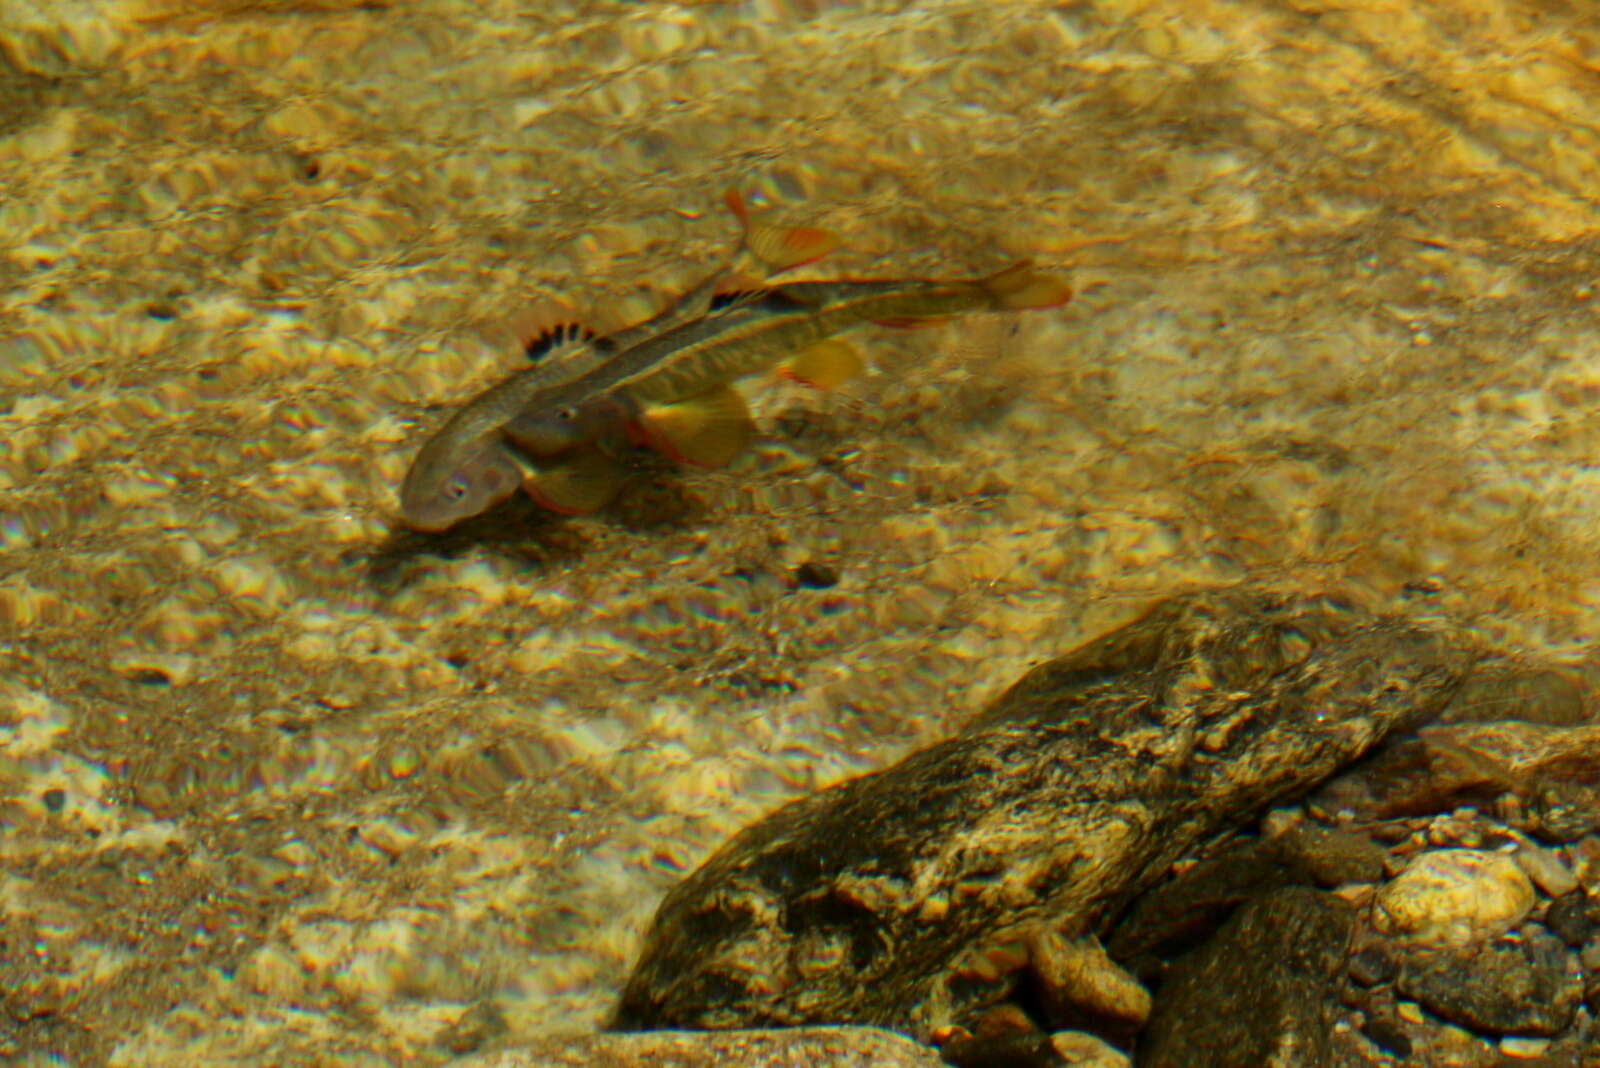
x: 672, y: 390
x: 465, y: 468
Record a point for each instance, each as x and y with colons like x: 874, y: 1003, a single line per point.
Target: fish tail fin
x: 779, y: 248
x: 825, y: 365
x: 1021, y: 286
x: 577, y: 484
x: 707, y: 430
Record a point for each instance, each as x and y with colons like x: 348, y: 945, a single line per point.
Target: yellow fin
x: 1020, y: 286
x: 825, y: 365
x: 707, y: 430
x: 576, y: 484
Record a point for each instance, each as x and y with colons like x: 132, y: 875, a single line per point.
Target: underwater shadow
x: 655, y: 499
x: 519, y: 530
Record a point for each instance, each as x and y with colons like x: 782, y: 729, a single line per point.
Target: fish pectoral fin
x: 707, y: 430
x: 1021, y: 286
x: 560, y: 336
x: 575, y: 484
x: 825, y: 365
x: 545, y: 325
x: 780, y: 248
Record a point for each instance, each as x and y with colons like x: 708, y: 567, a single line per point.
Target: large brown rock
x: 880, y: 900
x: 836, y: 1047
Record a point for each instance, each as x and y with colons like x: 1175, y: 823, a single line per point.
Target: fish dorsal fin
x: 782, y: 248
x: 576, y: 484
x: 825, y: 365
x: 779, y: 248
x: 707, y: 430
x: 556, y: 337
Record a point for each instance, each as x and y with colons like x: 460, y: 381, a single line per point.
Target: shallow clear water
x: 269, y: 760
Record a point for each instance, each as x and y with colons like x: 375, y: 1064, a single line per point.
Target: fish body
x: 671, y: 390
x: 797, y: 316
x: 465, y: 468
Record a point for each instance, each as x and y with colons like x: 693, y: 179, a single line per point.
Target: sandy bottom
x: 280, y: 782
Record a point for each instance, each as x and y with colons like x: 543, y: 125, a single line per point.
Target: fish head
x: 551, y: 431
x: 485, y: 478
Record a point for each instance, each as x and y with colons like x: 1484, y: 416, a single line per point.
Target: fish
x: 672, y: 391
x: 465, y: 468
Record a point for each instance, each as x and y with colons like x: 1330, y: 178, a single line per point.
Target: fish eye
x: 455, y: 489
x: 567, y: 414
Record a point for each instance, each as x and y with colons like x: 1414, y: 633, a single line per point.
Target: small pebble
x: 1076, y: 978
x: 1454, y: 831
x: 1523, y: 1048
x: 815, y: 576
x: 1568, y: 918
x: 1356, y: 893
x: 1386, y: 1033
x: 1547, y: 870
x: 1373, y: 965
x: 1392, y: 832
x: 1335, y: 857
x: 1006, y: 1018
x: 1280, y: 821
x: 1586, y: 858
x: 1589, y: 957
x: 1086, y: 1051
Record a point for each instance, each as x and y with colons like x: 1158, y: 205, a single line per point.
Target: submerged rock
x: 1553, y: 773
x: 901, y: 898
x: 1080, y: 986
x: 1571, y: 918
x: 1179, y: 912
x: 1454, y: 897
x: 1502, y: 691
x: 837, y: 1047
x: 1525, y: 986
x: 1260, y: 993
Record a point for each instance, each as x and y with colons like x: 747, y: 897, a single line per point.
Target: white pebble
x: 1523, y: 1048
x: 1454, y: 897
